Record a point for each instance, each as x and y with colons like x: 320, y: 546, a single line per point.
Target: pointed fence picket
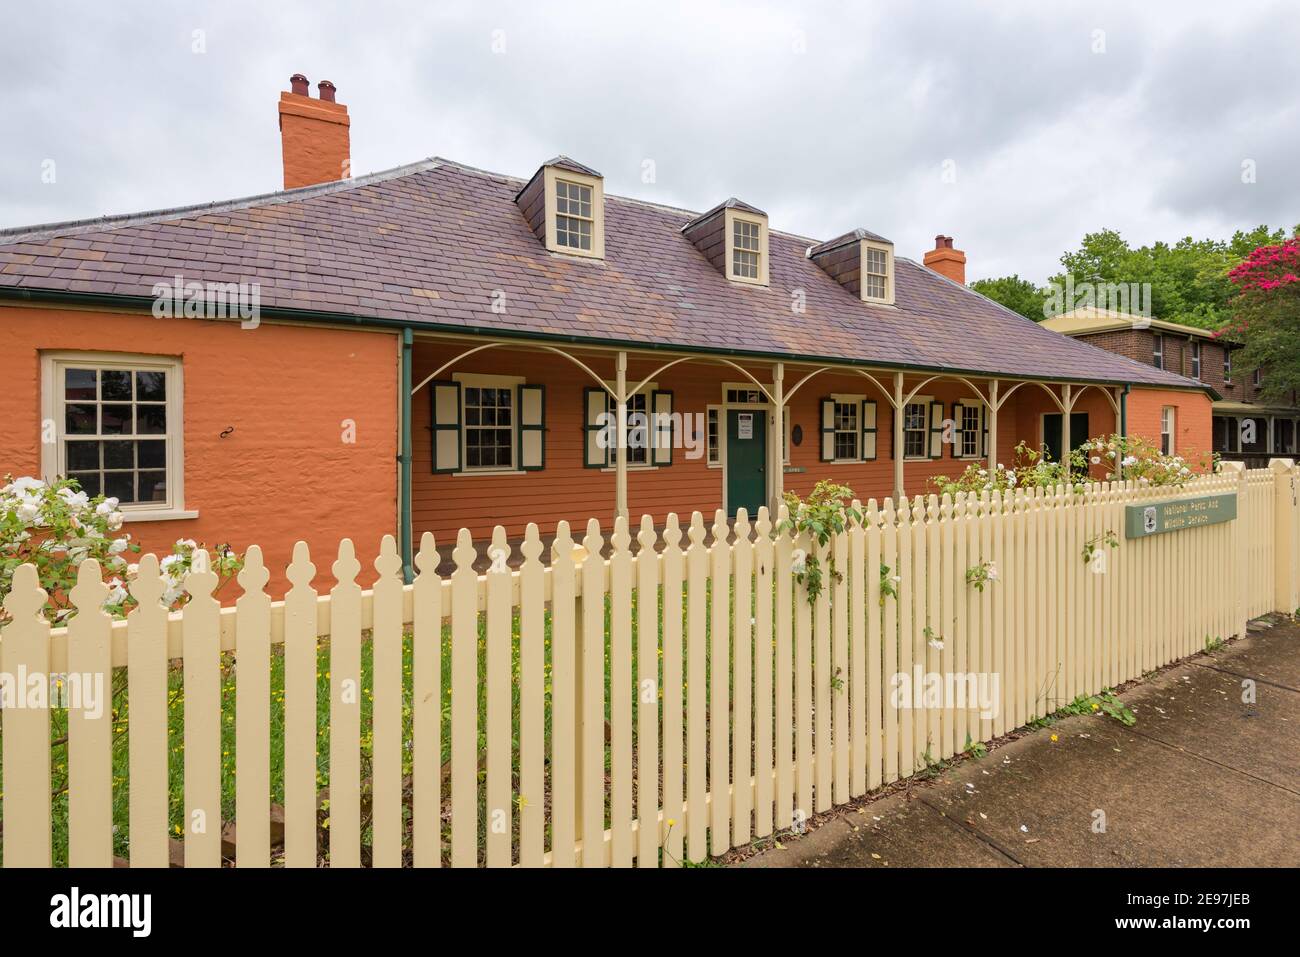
x: 615, y: 705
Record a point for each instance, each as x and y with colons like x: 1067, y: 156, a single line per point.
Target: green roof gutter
x: 397, y: 325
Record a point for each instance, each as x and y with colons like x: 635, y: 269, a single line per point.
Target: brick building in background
x: 1246, y: 428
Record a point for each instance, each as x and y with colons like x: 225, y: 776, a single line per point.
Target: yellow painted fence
x: 679, y: 698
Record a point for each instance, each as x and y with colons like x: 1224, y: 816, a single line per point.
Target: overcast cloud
x: 828, y: 116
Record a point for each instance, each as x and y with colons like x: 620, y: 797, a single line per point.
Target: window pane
x: 152, y: 487
x: 119, y: 455
x: 82, y: 455
x: 150, y: 386
x: 115, y: 385
x: 89, y: 482
x: 152, y: 454
x: 149, y: 419
x: 120, y: 485
x: 114, y: 419
x: 79, y: 419
x: 79, y: 384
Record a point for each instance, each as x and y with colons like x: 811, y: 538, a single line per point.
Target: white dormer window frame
x: 870, y: 278
x: 750, y: 220
x: 553, y: 177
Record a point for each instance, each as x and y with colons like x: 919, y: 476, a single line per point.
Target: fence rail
x: 664, y: 704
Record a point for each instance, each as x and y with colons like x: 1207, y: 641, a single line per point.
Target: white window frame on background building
x: 54, y: 418
x: 1168, y: 430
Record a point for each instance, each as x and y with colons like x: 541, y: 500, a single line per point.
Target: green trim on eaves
x: 396, y: 325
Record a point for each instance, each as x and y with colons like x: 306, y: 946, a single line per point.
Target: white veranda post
x: 776, y: 439
x: 620, y: 439
x: 898, y: 436
x: 991, y: 410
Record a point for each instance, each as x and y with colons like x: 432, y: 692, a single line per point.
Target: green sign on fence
x: 1153, y: 518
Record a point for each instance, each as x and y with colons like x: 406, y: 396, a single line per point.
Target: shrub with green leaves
x: 55, y: 526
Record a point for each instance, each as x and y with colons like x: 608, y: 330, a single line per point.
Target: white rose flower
x: 116, y: 592
x: 117, y: 546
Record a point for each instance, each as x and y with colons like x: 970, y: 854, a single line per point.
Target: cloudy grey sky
x: 1052, y: 119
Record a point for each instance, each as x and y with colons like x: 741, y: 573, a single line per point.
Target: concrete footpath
x: 1201, y: 780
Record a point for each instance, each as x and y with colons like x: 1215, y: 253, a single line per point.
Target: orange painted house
x: 436, y: 347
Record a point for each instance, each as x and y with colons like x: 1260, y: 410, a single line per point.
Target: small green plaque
x: 1152, y: 518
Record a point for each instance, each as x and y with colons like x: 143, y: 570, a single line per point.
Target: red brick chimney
x: 947, y: 261
x: 314, y: 135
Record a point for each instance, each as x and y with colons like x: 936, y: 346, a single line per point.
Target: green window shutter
x: 936, y: 430
x: 595, y: 405
x: 984, y: 432
x: 958, y: 433
x: 661, y: 432
x: 889, y: 427
x: 532, y: 427
x: 868, y: 429
x: 446, y: 418
x: 828, y: 430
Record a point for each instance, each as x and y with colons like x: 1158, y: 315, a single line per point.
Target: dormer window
x: 744, y: 249
x: 748, y: 257
x: 875, y: 273
x: 564, y: 205
x: 733, y: 236
x: 573, y: 219
x: 861, y: 262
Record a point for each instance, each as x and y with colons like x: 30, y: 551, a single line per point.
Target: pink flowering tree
x: 1266, y: 311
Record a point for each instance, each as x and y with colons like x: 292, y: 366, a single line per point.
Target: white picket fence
x: 653, y: 707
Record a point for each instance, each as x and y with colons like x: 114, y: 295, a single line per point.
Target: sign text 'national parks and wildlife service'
x: 1152, y: 518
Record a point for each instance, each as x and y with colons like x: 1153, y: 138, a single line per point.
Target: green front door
x: 746, y: 460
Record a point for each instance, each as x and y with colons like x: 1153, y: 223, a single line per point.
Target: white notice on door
x: 745, y: 425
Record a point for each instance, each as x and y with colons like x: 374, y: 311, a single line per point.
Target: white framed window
x: 117, y: 428
x: 1227, y: 366
x: 1167, y: 421
x: 649, y: 434
x: 575, y: 212
x: 916, y: 425
x: 574, y: 218
x: 1258, y: 377
x: 489, y: 422
x: 744, y: 249
x: 745, y: 238
x: 970, y: 431
x: 1158, y: 351
x: 876, y: 278
x: 848, y: 429
x: 1196, y: 359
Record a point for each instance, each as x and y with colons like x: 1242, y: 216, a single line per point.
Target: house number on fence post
x: 1155, y: 517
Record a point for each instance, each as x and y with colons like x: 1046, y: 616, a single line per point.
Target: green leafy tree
x: 1018, y: 295
x: 1188, y: 279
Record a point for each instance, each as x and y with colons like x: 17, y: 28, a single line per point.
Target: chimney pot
x: 947, y: 261
x: 313, y: 136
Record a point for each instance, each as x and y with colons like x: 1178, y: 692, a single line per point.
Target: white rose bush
x: 55, y: 526
x: 1139, y: 461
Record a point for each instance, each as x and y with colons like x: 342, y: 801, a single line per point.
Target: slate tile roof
x: 431, y: 243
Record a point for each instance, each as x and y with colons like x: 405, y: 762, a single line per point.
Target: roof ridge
x: 73, y: 227
x: 635, y: 200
